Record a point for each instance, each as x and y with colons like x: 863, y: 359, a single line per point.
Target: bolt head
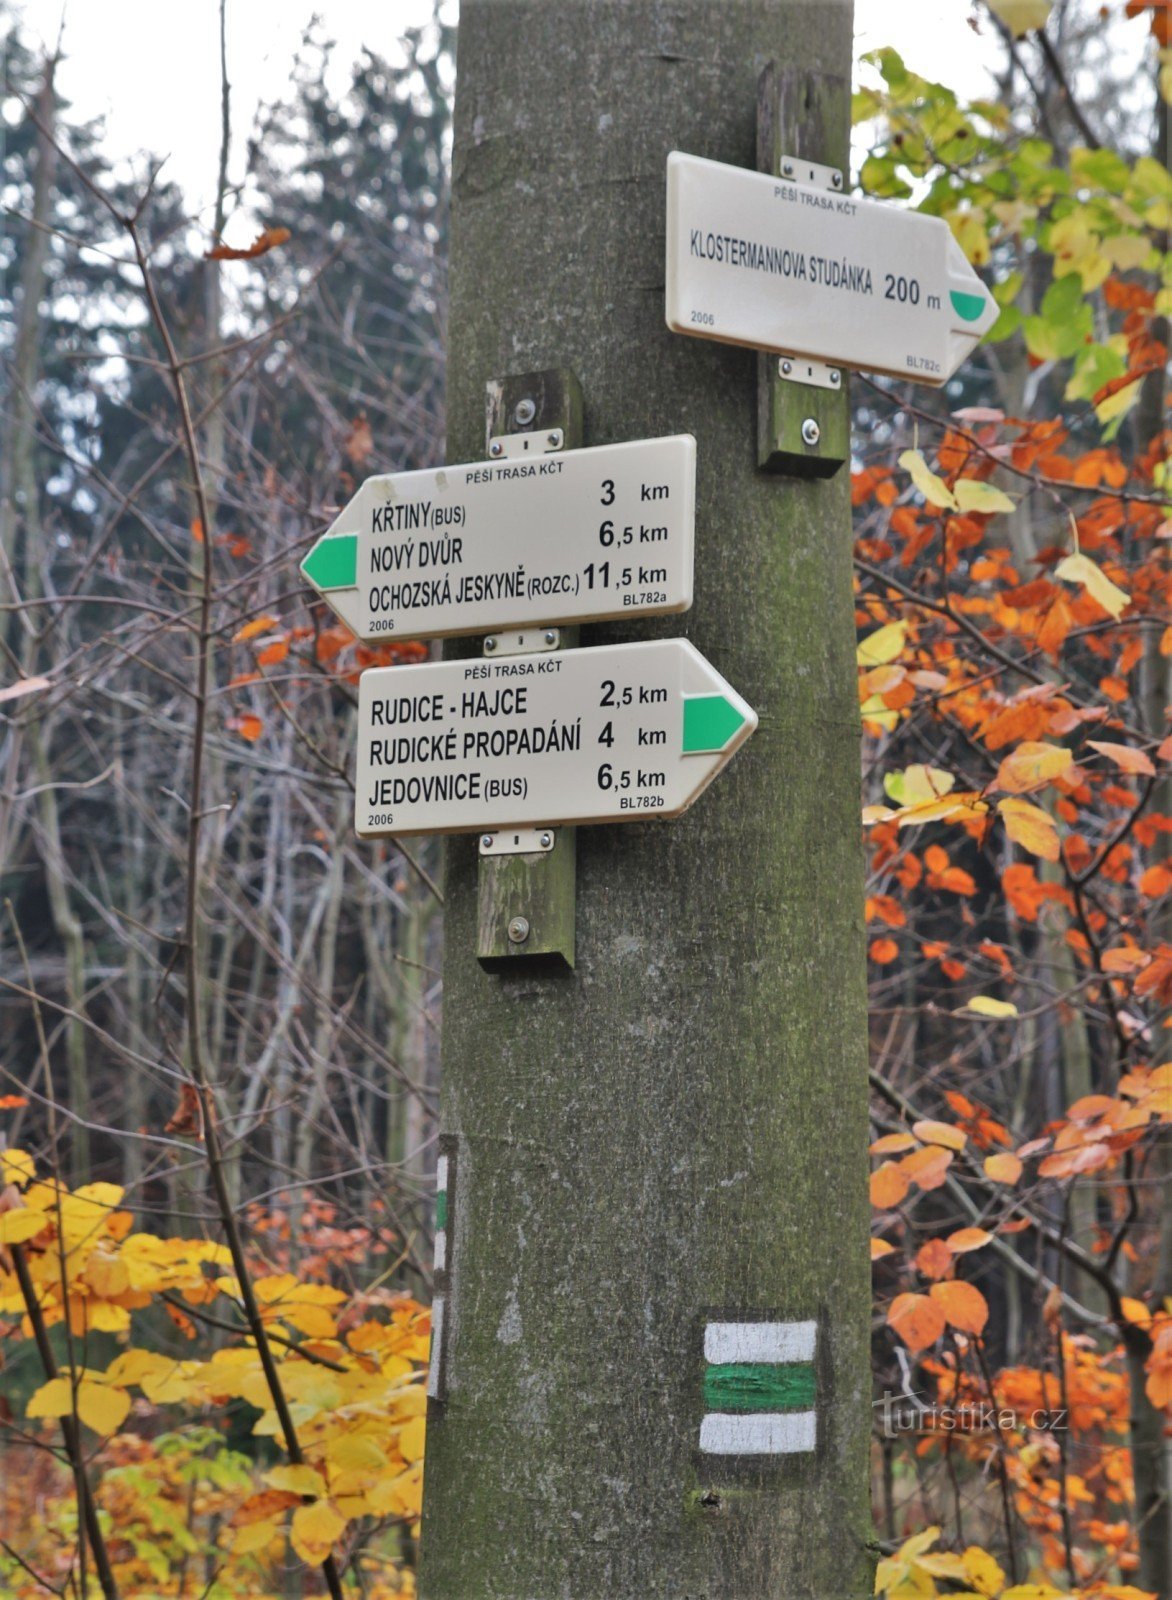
x: 550, y: 636
x: 811, y: 432
x: 835, y: 375
x: 489, y: 646
x: 786, y: 368
x: 836, y: 179
x: 524, y: 412
x: 554, y: 439
x: 486, y: 840
x: 496, y: 448
x: 546, y: 840
x: 787, y: 169
x: 518, y: 930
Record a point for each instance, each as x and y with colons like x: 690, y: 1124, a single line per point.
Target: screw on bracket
x: 489, y: 646
x: 496, y: 448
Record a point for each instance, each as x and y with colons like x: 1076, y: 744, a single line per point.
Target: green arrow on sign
x: 968, y: 306
x: 709, y: 723
x: 333, y: 562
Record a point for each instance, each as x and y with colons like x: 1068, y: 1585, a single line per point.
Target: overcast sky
x: 152, y: 68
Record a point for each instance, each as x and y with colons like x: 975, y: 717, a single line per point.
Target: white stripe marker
x: 760, y: 1341
x: 437, y: 1343
x: 723, y: 1433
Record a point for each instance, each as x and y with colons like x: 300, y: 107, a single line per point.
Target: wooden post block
x: 802, y: 115
x: 539, y: 888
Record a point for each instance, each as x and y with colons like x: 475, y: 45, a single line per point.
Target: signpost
x: 801, y: 269
x: 615, y: 734
x: 532, y: 538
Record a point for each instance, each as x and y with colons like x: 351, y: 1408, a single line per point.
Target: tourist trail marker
x: 798, y: 268
x: 535, y: 537
x: 614, y: 734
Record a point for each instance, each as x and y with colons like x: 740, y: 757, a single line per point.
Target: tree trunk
x: 674, y: 1134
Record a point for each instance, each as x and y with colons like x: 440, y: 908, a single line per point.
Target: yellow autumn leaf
x: 967, y: 804
x: 411, y: 1436
x: 918, y: 784
x: 296, y: 1478
x: 106, y: 1274
x: 315, y: 1531
x: 257, y: 1536
x: 983, y: 1572
x: 354, y: 1453
x: 1021, y: 16
x: 1033, y: 1591
x: 943, y: 1565
x: 52, y: 1399
x: 1119, y: 403
x: 18, y: 1226
x: 1031, y: 827
x: 1081, y: 569
x: 101, y: 1408
x: 270, y: 1289
x: 972, y: 495
x: 882, y: 646
x: 934, y: 490
x: 985, y: 1006
x: 16, y: 1166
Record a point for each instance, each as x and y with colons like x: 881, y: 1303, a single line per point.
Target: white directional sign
x: 802, y: 270
x: 615, y: 734
x: 573, y: 536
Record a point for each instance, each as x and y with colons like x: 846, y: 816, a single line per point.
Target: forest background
x: 219, y: 1012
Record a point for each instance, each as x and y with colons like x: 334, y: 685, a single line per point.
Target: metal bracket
x: 813, y: 172
x: 511, y: 446
x: 803, y: 416
x: 526, y: 898
x: 524, y: 642
x: 518, y: 842
x: 801, y: 369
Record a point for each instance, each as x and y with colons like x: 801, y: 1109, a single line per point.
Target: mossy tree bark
x: 674, y: 1133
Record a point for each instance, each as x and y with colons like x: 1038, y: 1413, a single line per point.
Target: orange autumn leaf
x: 917, y: 1320
x: 881, y: 1248
x: 892, y: 1143
x: 964, y: 1306
x: 1031, y: 766
x: 249, y: 726
x: 258, y: 625
x: 940, y: 1133
x: 934, y: 1259
x: 273, y: 654
x: 888, y: 1186
x: 1125, y: 757
x: 927, y: 1167
x: 1159, y: 1366
x: 965, y: 1239
x: 265, y: 241
x: 884, y: 951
